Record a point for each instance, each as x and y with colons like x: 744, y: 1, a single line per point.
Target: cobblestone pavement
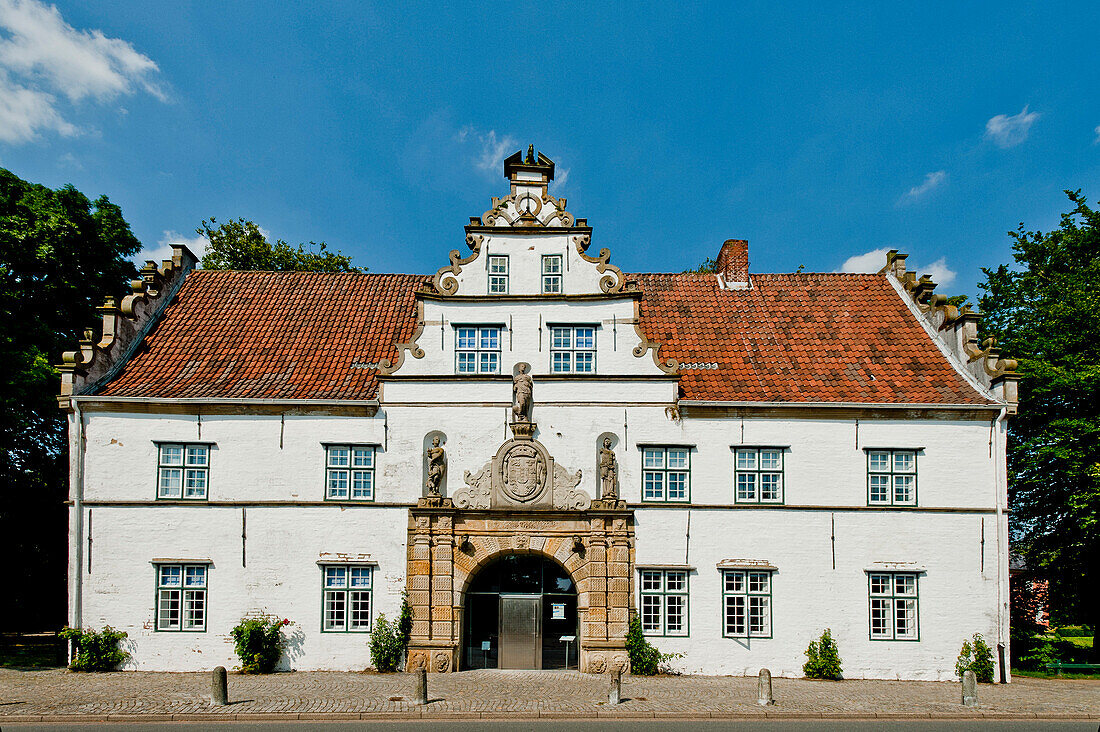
x: 49, y: 693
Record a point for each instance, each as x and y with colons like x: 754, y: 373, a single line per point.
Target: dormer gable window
x: 498, y: 275
x: 551, y: 274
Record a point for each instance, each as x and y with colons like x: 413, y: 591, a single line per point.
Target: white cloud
x: 163, y: 250
x: 1097, y: 140
x: 875, y: 260
x: 931, y: 182
x: 42, y: 56
x: 490, y: 158
x: 1010, y: 131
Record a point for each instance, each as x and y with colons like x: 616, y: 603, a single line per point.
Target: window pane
x: 585, y: 362
x: 551, y: 284
x: 194, y: 609
x: 467, y: 363
x: 905, y: 584
x: 171, y: 454
x: 735, y: 581
x: 360, y: 576
x: 498, y: 265
x: 335, y: 610
x: 880, y: 489
x: 676, y: 614
x: 880, y: 618
x: 904, y: 462
x: 653, y: 485
x: 561, y: 361
x: 677, y: 457
x: 677, y: 486
x: 467, y: 338
x: 195, y: 576
x: 586, y: 337
x: 360, y: 611
x: 170, y: 575
x: 903, y: 488
x: 651, y: 581
x: 362, y: 457
x: 490, y: 338
x: 759, y: 616
x: 905, y: 618
x: 196, y: 455
x: 336, y: 576
x: 746, y: 486
x: 338, y: 456
x: 195, y: 486
x: 653, y: 458
x: 168, y: 610
x: 880, y: 461
x: 746, y: 459
x: 651, y: 613
x: 362, y: 484
x: 498, y: 284
x: 758, y: 581
x: 735, y: 615
x: 771, y: 486
x: 489, y: 363
x: 337, y: 484
x: 880, y: 584
x: 560, y: 337
x: 171, y: 480
x: 551, y: 264
x: 771, y: 460
x: 676, y: 581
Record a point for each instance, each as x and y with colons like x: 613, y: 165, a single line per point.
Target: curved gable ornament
x: 445, y: 281
x: 608, y: 283
x: 386, y: 366
x: 669, y: 365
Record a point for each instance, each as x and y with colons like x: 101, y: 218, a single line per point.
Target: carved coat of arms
x: 523, y: 472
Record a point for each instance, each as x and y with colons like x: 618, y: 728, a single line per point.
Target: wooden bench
x: 1058, y: 667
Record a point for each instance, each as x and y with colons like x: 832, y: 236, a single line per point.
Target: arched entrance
x: 517, y: 609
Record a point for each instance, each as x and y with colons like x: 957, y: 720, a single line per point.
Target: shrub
x: 645, y: 659
x: 95, y: 651
x: 976, y: 657
x: 385, y: 644
x: 822, y: 658
x: 259, y: 643
x: 1074, y: 631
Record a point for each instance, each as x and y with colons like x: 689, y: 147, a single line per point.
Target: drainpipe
x: 77, y: 490
x: 1000, y: 482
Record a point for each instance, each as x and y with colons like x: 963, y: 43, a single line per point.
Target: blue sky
x: 819, y: 132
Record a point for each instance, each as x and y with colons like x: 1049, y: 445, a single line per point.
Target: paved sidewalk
x: 53, y: 695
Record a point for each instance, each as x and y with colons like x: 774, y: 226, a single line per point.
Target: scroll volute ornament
x: 608, y: 283
x: 445, y: 280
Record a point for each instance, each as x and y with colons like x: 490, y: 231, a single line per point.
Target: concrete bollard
x: 219, y: 687
x: 970, y: 689
x: 615, y: 693
x: 421, y: 695
x: 764, y: 689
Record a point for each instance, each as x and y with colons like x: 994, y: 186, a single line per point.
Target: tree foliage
x: 1045, y: 313
x: 823, y: 658
x: 976, y: 656
x: 708, y: 266
x: 60, y: 253
x: 259, y: 643
x: 241, y: 245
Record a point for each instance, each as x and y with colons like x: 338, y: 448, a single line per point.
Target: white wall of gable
x: 525, y: 253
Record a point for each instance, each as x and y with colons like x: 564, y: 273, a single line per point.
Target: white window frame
x: 753, y: 467
x: 181, y: 598
x: 747, y: 603
x: 347, y: 594
x: 890, y: 470
x: 893, y: 596
x: 350, y: 472
x: 659, y: 475
x: 552, y: 274
x: 478, y: 349
x: 498, y: 274
x: 573, y: 349
x: 183, y: 471
x: 664, y: 602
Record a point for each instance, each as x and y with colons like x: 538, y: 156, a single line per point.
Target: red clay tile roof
x: 798, y: 338
x: 273, y: 335
x: 303, y: 335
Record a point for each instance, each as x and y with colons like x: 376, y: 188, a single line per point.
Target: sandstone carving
x: 441, y: 663
x: 522, y: 393
x: 567, y: 497
x: 437, y: 465
x: 522, y: 472
x: 478, y: 489
x: 609, y: 471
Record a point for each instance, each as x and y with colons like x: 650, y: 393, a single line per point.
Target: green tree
x: 1045, y: 312
x: 59, y: 255
x: 241, y: 245
x: 709, y: 266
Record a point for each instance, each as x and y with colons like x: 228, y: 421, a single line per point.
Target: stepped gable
x: 273, y: 335
x: 797, y: 338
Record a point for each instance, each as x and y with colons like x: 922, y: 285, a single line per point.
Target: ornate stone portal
x: 520, y: 502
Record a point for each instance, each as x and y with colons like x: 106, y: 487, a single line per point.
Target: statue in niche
x: 609, y: 471
x: 522, y: 394
x: 437, y: 464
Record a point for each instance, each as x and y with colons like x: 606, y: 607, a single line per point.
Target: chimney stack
x: 733, y: 264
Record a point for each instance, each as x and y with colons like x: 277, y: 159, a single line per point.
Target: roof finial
x: 530, y: 155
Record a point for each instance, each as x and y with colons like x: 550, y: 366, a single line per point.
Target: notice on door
x: 557, y: 611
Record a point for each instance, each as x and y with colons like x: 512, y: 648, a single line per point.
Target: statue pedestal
x: 523, y: 430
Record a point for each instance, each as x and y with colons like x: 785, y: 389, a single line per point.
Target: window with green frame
x: 758, y: 475
x: 349, y: 472
x: 181, y: 597
x: 346, y: 598
x: 891, y: 477
x: 664, y: 601
x: 746, y: 603
x: 183, y: 471
x: 892, y: 611
x: 666, y: 474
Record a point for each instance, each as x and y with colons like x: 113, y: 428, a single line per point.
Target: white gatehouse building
x: 536, y: 445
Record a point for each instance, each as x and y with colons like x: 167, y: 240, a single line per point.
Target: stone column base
x: 605, y: 657
x: 435, y: 658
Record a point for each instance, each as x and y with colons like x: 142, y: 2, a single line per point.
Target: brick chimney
x: 733, y: 263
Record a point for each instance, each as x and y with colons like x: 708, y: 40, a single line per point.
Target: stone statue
x: 522, y: 394
x: 609, y: 471
x: 437, y: 464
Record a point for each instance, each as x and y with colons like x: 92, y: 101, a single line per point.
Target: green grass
x: 37, y: 651
x: 1045, y: 675
x: 1080, y: 642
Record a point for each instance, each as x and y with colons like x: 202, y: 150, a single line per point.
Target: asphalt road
x: 595, y: 725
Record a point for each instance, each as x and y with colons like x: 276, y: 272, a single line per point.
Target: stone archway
x: 447, y: 546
